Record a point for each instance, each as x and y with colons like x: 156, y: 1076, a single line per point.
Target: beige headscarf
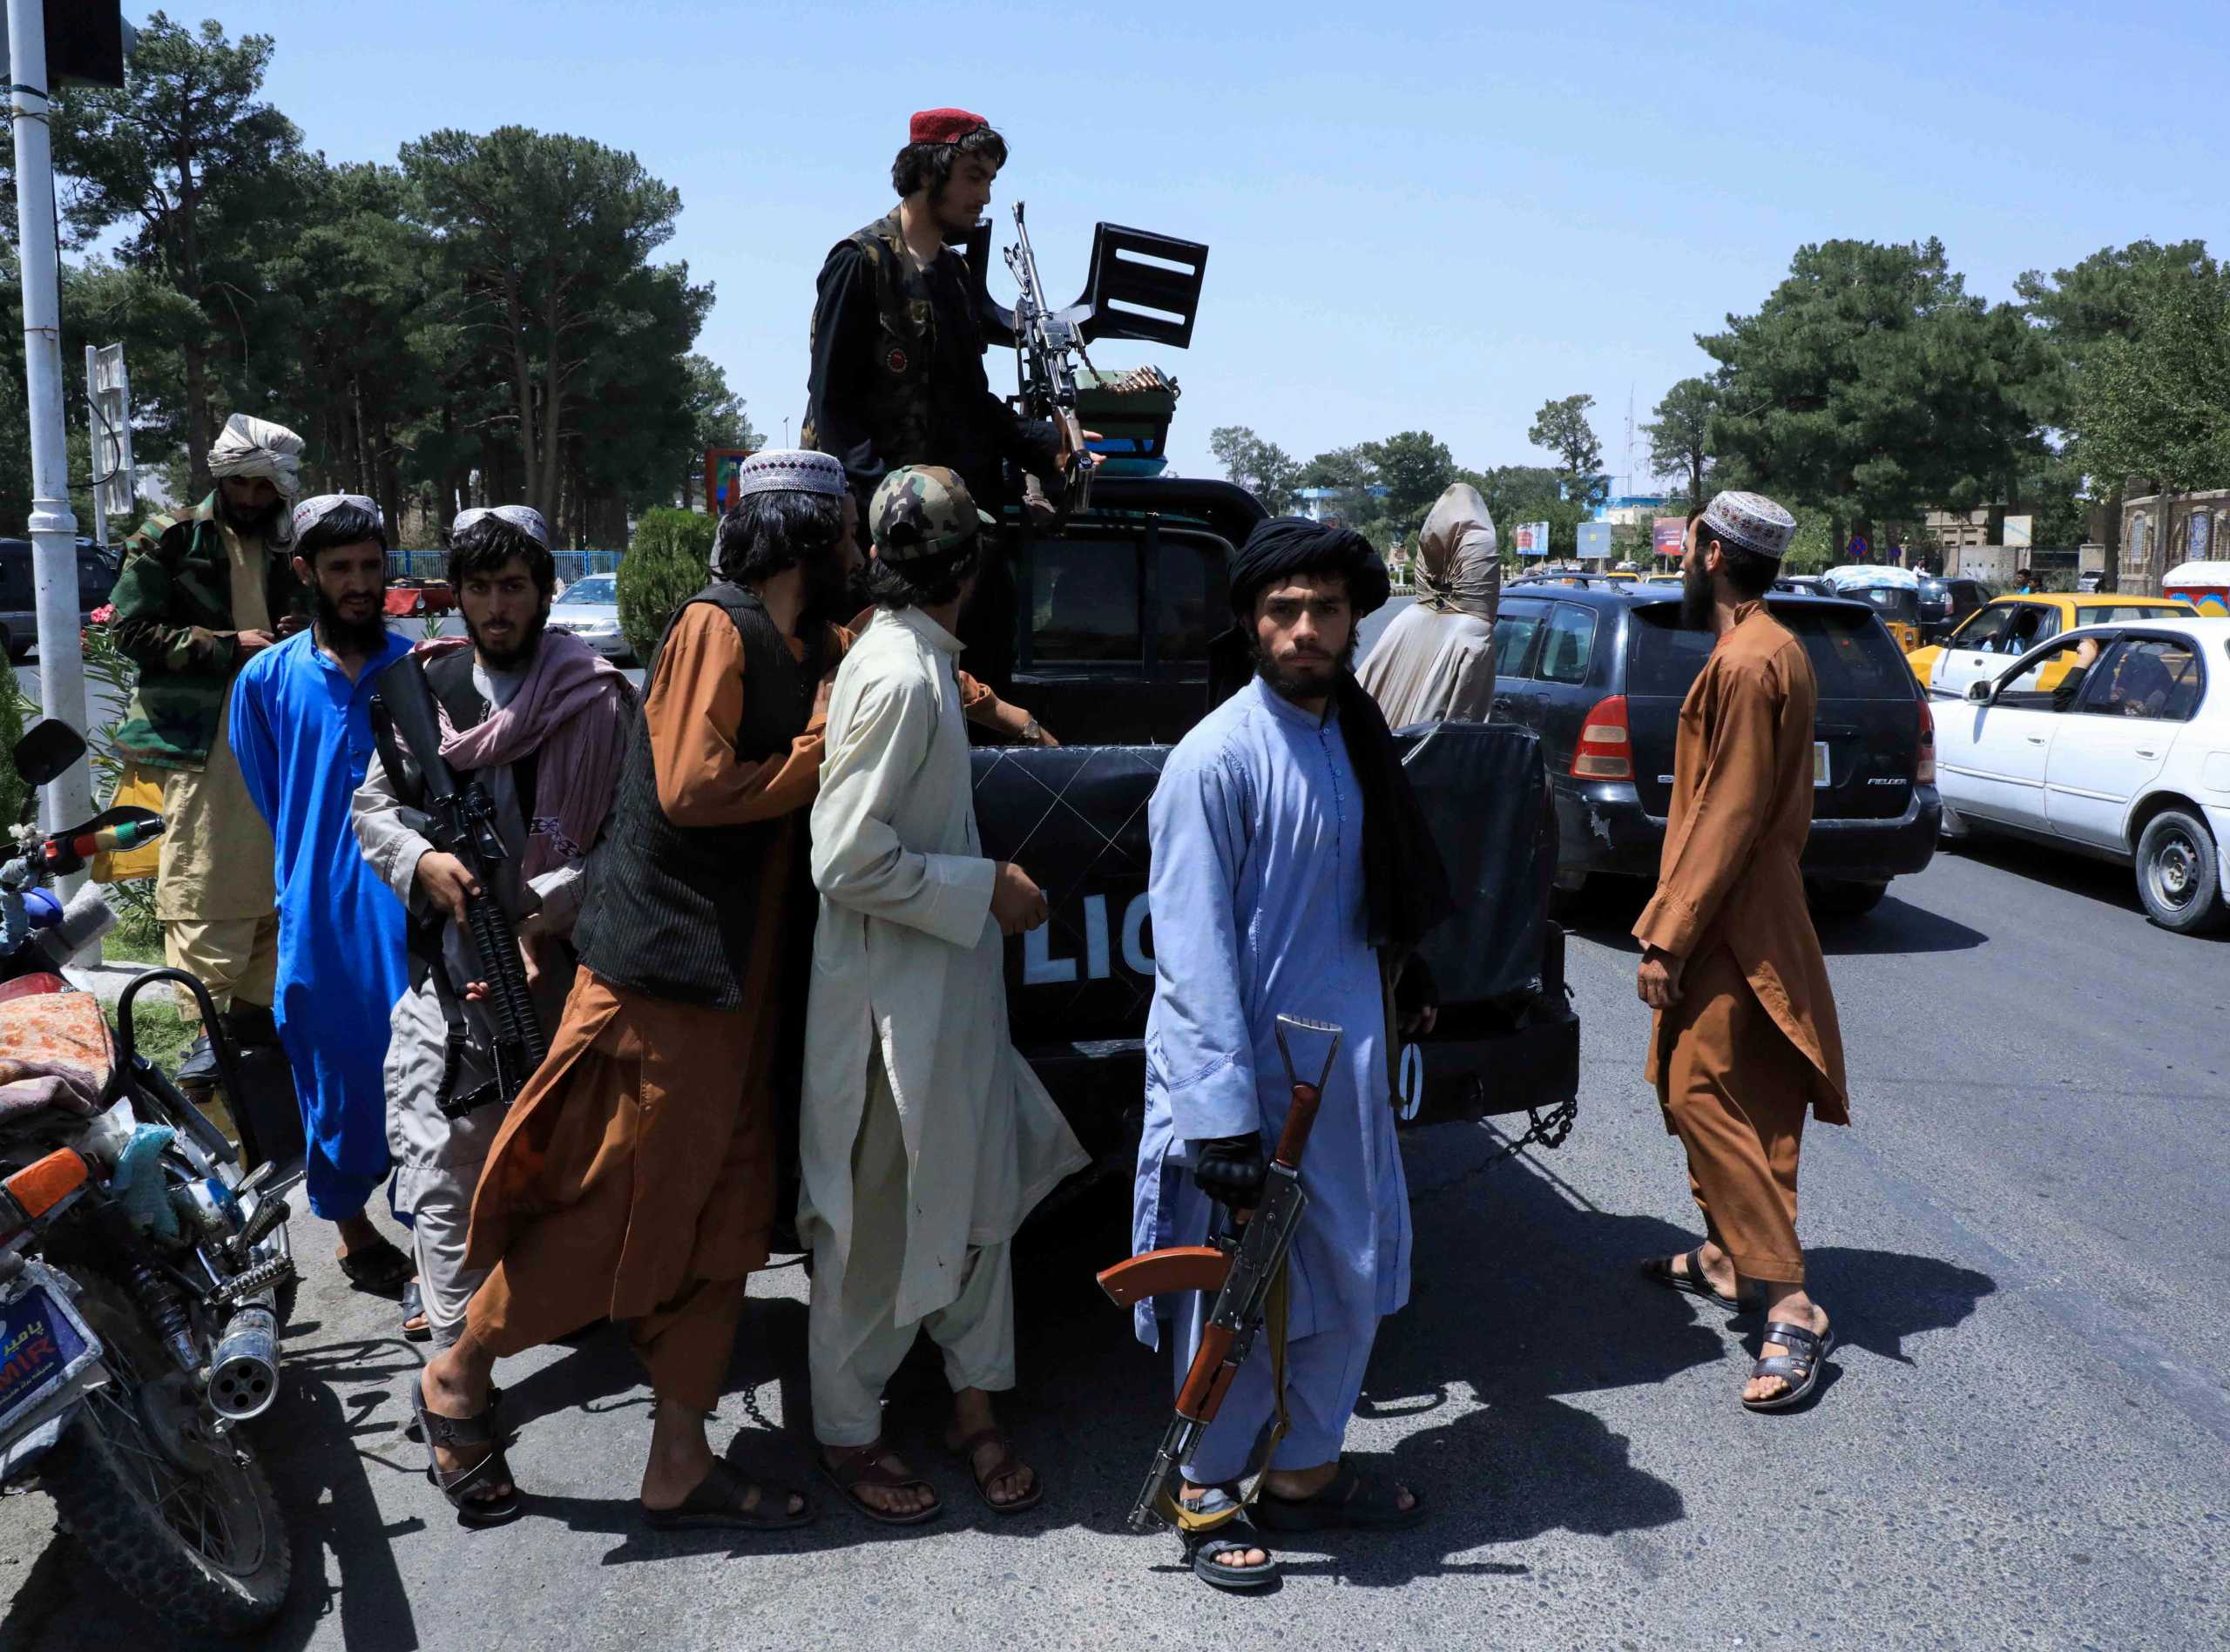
x: 253, y: 446
x: 1459, y: 564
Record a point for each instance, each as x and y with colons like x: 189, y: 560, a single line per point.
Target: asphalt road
x: 2022, y: 1240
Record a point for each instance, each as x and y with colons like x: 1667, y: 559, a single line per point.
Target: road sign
x: 1594, y: 542
x: 109, y: 390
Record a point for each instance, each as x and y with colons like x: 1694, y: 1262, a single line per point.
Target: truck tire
x: 2179, y: 873
x: 111, y: 1477
x: 1845, y: 900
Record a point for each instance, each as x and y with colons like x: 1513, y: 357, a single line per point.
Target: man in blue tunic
x: 1284, y: 834
x: 301, y: 726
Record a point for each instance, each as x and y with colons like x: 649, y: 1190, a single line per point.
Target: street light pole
x: 53, y: 529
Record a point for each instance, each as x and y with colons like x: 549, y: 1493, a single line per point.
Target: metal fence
x: 435, y: 564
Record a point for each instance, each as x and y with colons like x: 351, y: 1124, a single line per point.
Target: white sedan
x: 2110, y: 739
x: 590, y: 609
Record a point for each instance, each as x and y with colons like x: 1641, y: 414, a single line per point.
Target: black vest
x: 672, y: 910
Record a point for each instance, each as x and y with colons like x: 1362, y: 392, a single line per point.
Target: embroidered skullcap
x: 315, y: 510
x: 943, y: 125
x: 525, y: 518
x: 1751, y: 521
x: 790, y: 470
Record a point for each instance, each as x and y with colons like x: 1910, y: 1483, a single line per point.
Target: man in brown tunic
x: 634, y: 1176
x: 1744, y: 1039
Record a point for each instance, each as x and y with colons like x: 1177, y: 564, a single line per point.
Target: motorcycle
x: 145, y: 1265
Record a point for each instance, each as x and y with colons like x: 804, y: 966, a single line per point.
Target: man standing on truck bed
x: 1745, y: 1033
x: 1293, y: 872
x: 199, y: 596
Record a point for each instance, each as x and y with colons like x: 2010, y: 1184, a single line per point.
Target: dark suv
x: 1599, y: 674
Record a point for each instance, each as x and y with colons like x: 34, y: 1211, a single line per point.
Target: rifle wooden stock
x: 1302, y: 1119
x: 1202, y: 1394
x: 1184, y: 1267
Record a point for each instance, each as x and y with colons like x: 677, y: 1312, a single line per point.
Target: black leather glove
x: 1230, y: 1169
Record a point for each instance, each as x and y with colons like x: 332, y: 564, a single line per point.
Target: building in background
x: 2162, y: 531
x: 1331, y: 505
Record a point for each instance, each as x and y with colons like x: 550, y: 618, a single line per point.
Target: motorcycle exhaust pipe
x: 244, y: 1369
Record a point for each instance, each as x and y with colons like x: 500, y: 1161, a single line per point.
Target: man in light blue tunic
x: 301, y: 726
x: 1292, y: 873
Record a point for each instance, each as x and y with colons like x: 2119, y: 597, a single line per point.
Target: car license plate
x: 1819, y: 764
x: 43, y: 1346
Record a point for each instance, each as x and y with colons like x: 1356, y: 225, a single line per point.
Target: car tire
x: 1844, y: 899
x: 2179, y: 873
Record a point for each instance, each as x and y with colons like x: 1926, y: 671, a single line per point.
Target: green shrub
x: 15, y: 710
x: 668, y: 562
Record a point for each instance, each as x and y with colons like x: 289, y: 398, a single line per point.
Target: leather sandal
x: 1008, y: 1464
x: 1350, y: 1500
x: 1799, y: 1368
x: 449, y: 1433
x: 381, y: 1269
x: 718, y: 1499
x: 1201, y: 1547
x: 414, y: 1307
x: 852, y: 1466
x: 1684, y: 1272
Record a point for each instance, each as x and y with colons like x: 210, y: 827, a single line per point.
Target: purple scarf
x: 574, y: 709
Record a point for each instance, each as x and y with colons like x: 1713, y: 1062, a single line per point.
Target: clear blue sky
x: 1425, y: 215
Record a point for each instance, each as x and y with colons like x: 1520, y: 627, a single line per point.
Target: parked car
x: 1891, y: 592
x: 1599, y: 673
x: 590, y: 609
x: 2131, y: 762
x: 1803, y: 585
x: 97, y: 571
x: 1944, y: 603
x: 2010, y: 627
x: 413, y: 598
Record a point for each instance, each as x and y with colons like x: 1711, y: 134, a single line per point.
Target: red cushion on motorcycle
x: 54, y: 1050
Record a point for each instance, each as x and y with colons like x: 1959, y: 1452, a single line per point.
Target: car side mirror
x: 1980, y: 692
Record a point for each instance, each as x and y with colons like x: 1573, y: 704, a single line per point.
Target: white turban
x: 254, y: 446
x: 525, y: 518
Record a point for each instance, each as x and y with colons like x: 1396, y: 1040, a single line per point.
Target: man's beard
x: 346, y: 635
x: 827, y: 588
x: 520, y: 653
x: 249, y: 524
x: 1309, y: 682
x: 1697, y: 612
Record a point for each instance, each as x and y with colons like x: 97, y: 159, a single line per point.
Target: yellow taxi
x: 1994, y: 636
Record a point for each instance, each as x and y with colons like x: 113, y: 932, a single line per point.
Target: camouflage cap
x: 921, y: 511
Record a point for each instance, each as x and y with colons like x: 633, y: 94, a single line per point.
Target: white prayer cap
x: 525, y: 518
x: 790, y: 470
x: 313, y: 510
x: 1751, y: 521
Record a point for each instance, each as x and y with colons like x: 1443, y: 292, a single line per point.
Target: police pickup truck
x: 1101, y: 628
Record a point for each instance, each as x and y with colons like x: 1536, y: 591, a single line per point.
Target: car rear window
x: 2121, y: 611
x: 1852, y: 658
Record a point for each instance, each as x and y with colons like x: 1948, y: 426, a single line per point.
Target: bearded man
x: 1744, y: 1037
x: 633, y: 1178
x: 301, y: 725
x: 199, y: 596
x: 1295, y: 874
x: 541, y: 722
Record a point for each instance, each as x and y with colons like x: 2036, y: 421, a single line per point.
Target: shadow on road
x: 1607, y: 918
x: 2101, y: 881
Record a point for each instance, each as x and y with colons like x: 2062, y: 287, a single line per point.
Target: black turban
x: 1288, y: 545
x: 1405, y: 883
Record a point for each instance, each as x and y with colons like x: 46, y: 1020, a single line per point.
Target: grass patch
x: 161, y: 1031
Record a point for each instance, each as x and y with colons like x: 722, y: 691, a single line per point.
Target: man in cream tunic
x: 925, y: 1138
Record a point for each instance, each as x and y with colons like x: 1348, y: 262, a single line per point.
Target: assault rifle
x: 460, y: 821
x: 1243, y: 1271
x: 1048, y: 345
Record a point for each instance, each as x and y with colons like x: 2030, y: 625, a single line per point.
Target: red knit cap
x: 943, y: 125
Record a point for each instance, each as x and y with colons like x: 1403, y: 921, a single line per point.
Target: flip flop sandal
x: 414, y: 1307
x: 1008, y: 1463
x: 1201, y: 1547
x: 1671, y: 1272
x: 718, y: 1500
x: 1351, y: 1501
x: 853, y: 1467
x: 449, y: 1433
x: 1799, y: 1368
x: 381, y: 1269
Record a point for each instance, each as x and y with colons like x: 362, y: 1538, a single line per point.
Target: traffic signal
x: 86, y: 41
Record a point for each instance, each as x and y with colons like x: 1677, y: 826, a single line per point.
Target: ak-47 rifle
x: 1048, y: 346
x: 460, y: 821
x: 1242, y: 1270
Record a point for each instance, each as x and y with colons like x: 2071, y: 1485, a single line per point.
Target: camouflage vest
x: 900, y: 417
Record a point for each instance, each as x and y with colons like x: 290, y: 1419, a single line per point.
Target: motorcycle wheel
x: 183, y: 1521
